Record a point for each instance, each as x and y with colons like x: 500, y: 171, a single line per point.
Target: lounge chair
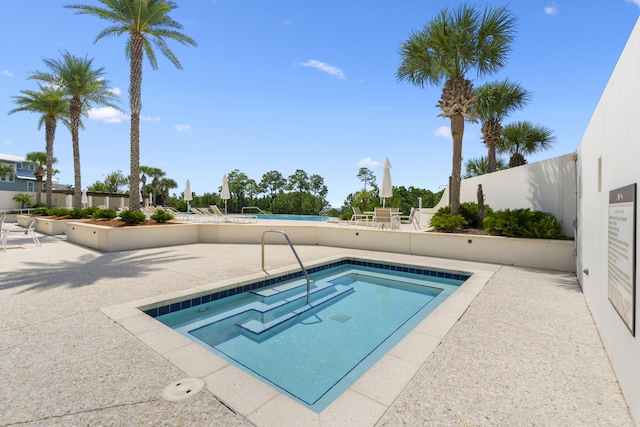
x: 387, y: 218
x: 232, y: 218
x: 30, y: 231
x: 358, y: 217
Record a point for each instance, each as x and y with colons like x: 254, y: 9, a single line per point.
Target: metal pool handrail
x: 294, y: 252
x: 253, y: 207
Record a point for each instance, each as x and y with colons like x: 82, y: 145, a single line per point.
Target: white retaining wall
x: 608, y: 159
x: 548, y: 186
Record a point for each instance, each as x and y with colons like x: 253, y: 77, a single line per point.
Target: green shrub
x: 104, y: 214
x: 523, y: 223
x: 89, y: 211
x: 40, y: 211
x: 161, y: 216
x: 59, y: 212
x: 76, y: 213
x: 132, y: 217
x: 469, y: 211
x: 446, y: 222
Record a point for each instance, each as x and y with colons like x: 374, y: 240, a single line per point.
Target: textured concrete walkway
x: 526, y: 352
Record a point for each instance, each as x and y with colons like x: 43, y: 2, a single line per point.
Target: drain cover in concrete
x: 183, y: 389
x: 339, y: 317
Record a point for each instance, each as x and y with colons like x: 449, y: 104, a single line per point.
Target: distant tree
x: 319, y: 191
x: 449, y: 47
x: 366, y: 176
x: 85, y: 87
x: 299, y: 181
x: 52, y: 105
x: 148, y: 24
x: 23, y: 199
x: 272, y: 183
x: 524, y: 138
x: 480, y: 166
x: 114, y: 182
x: 494, y: 102
x: 238, y: 182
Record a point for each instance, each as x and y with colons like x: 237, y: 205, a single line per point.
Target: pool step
x: 257, y: 327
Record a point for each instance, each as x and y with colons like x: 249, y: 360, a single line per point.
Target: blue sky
x: 288, y: 85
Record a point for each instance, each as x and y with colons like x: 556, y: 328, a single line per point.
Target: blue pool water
x: 317, y: 218
x: 314, y: 352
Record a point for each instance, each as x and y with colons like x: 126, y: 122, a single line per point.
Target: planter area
x: 537, y: 253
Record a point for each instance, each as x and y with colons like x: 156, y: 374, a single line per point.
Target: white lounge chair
x: 29, y: 231
x: 232, y: 218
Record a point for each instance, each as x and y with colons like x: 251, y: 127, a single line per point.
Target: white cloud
x: 116, y: 91
x: 107, y: 115
x: 7, y: 73
x: 636, y: 2
x: 552, y: 10
x: 443, y: 131
x: 367, y: 162
x: 288, y: 21
x: 183, y: 128
x: 149, y: 119
x: 329, y: 69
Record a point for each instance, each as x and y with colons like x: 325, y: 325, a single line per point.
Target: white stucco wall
x: 613, y: 137
x: 548, y: 186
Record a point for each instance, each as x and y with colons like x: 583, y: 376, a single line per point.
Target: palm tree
x: 85, y: 87
x: 524, y: 138
x: 5, y: 170
x: 480, y: 166
x: 494, y: 102
x: 449, y: 47
x: 52, y: 106
x: 156, y: 174
x: 148, y: 24
x: 39, y: 159
x: 23, y: 199
x: 165, y: 185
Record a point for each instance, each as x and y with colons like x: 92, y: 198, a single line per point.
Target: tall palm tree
x: 524, y: 138
x: 480, y: 166
x: 148, y: 24
x: 449, y: 47
x: 85, y: 87
x: 494, y: 102
x: 52, y: 105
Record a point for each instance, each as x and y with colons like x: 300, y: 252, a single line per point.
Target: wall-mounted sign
x: 622, y: 254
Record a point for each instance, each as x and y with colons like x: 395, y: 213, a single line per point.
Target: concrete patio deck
x: 525, y: 351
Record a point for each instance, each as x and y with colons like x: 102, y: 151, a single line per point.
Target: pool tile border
x: 259, y: 284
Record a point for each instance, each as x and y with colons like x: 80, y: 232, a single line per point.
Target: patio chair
x: 410, y: 219
x: 358, y: 216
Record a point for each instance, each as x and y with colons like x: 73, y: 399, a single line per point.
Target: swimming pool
x: 316, y: 218
x: 358, y: 311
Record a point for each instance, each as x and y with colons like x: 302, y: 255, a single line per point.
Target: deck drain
x: 339, y: 317
x: 183, y: 389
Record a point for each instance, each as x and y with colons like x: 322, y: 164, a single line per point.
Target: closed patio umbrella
x: 187, y: 195
x: 224, y: 194
x: 385, y: 189
x: 84, y: 199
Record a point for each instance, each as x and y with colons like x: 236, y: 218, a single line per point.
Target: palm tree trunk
x: 38, y: 174
x: 135, y: 102
x: 50, y: 132
x: 75, y: 112
x: 457, y: 130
